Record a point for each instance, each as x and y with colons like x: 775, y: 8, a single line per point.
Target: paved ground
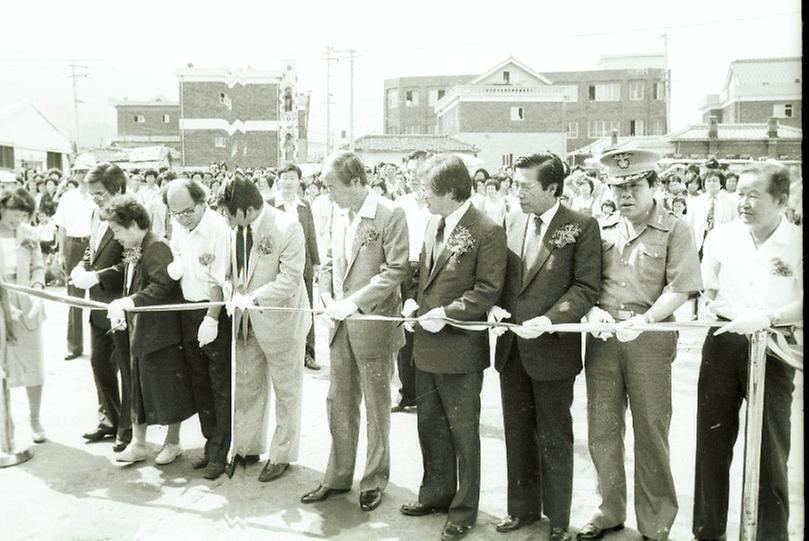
x: 70, y: 490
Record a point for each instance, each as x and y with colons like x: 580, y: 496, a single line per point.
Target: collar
x: 548, y: 215
x: 368, y: 208
x: 659, y: 218
x: 257, y: 220
x: 455, y: 216
x: 205, y: 223
x: 781, y: 235
x: 280, y: 201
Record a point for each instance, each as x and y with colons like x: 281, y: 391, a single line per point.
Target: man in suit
x: 461, y: 271
x: 109, y: 352
x: 367, y: 264
x: 553, y: 276
x: 286, y: 199
x: 267, y: 263
x: 712, y: 208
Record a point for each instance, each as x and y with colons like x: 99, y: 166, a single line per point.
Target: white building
x: 28, y: 140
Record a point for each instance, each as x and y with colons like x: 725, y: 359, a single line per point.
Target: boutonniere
x: 567, y: 234
x: 779, y: 268
x: 132, y: 255
x: 30, y: 243
x: 367, y: 235
x: 206, y: 259
x: 265, y: 245
x: 460, y: 242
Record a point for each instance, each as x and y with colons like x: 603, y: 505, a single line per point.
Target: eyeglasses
x: 187, y: 213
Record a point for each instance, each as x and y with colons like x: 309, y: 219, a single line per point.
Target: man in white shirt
x: 73, y: 219
x: 200, y: 246
x: 150, y: 189
x: 712, y: 208
x: 753, y: 271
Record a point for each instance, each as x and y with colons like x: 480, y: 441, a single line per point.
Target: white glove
x: 339, y: 310
x: 533, y: 328
x: 626, y: 331
x: 242, y: 301
x: 722, y: 309
x: 84, y: 280
x: 116, y: 311
x: 410, y: 307
x: 227, y: 291
x: 208, y: 330
x: 597, y: 315
x: 497, y: 314
x: 36, y: 308
x: 14, y: 312
x: 176, y: 269
x: 747, y: 322
x: 430, y: 321
x: 77, y: 271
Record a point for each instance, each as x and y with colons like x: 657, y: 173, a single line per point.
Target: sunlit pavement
x: 71, y: 490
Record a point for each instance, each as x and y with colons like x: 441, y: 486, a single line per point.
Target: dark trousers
x: 310, y: 337
x: 104, y: 361
x: 121, y: 343
x: 721, y: 388
x: 404, y: 359
x: 539, y: 442
x: 74, y: 251
x: 449, y: 434
x: 210, y: 381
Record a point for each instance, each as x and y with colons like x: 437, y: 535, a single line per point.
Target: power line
x: 660, y: 28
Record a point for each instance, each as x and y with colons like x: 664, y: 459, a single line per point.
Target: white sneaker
x: 168, y: 454
x: 132, y: 453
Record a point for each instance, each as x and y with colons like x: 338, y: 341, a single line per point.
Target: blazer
x: 110, y: 284
x: 275, y: 278
x: 307, y: 221
x: 725, y: 210
x: 372, y: 277
x: 467, y: 285
x: 563, y: 285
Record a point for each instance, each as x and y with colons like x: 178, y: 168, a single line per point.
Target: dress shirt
x: 211, y: 237
x: 146, y: 194
x: 546, y: 218
x: 454, y: 217
x: 765, y: 277
x: 417, y: 219
x: 98, y: 228
x: 74, y: 212
x: 367, y: 210
x: 290, y: 208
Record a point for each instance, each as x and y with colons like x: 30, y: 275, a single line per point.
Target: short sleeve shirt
x: 638, y: 266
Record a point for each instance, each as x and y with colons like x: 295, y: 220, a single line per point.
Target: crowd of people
x: 249, y: 253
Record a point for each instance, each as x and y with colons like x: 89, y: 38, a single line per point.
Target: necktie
x: 532, y: 244
x: 439, y: 239
x: 243, y: 247
x: 709, y: 220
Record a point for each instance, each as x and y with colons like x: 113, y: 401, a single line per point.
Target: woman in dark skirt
x: 161, y: 383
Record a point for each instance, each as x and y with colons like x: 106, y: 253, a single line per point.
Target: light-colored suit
x: 362, y: 352
x: 725, y: 210
x: 272, y: 352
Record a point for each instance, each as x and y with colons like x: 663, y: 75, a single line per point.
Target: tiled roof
x: 745, y: 132
x: 657, y: 143
x: 409, y: 143
x: 766, y: 70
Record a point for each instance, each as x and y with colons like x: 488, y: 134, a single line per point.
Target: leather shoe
x: 272, y: 471
x: 200, y: 463
x: 722, y: 537
x: 560, y: 534
x: 454, y: 531
x: 417, y: 509
x: 590, y: 531
x: 71, y: 356
x: 512, y: 522
x: 370, y: 499
x: 213, y: 470
x: 119, y: 446
x: 100, y: 433
x: 403, y: 405
x: 322, y: 493
x: 310, y: 362
x: 248, y: 459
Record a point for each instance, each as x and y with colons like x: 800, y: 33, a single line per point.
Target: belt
x: 622, y: 312
x: 82, y: 239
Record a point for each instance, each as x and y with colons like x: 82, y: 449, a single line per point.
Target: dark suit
x: 450, y: 363
x: 109, y: 352
x: 536, y: 376
x: 307, y: 221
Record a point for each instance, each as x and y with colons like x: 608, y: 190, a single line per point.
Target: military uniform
x: 639, y: 263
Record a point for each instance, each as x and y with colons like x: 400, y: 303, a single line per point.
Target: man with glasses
x: 200, y: 246
x: 649, y: 267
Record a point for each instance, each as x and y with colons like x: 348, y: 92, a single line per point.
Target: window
x: 392, y: 97
x: 411, y: 98
x: 659, y: 91
x: 224, y: 99
x: 219, y: 141
x: 605, y: 92
x: 140, y: 119
x: 7, y: 157
x: 636, y: 127
x: 54, y: 160
x: 435, y: 94
x: 166, y: 119
x: 572, y: 130
x: 506, y: 78
x: 782, y: 110
x: 603, y: 128
x: 517, y: 113
x: 659, y: 127
x: 636, y: 89
x: 507, y: 160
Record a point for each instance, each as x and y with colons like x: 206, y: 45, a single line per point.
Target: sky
x: 131, y: 49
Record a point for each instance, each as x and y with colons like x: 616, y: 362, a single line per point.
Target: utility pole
x: 329, y: 60
x: 667, y: 84
x: 75, y: 75
x: 351, y: 102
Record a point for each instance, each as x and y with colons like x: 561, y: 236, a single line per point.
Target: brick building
x: 410, y: 102
x: 245, y: 118
x: 146, y: 123
x: 739, y: 140
x: 757, y: 89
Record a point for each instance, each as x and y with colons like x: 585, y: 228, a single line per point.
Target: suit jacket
x: 467, y: 286
x: 151, y: 285
x: 725, y: 210
x: 307, y: 221
x: 30, y: 271
x: 563, y: 285
x: 275, y: 278
x: 373, y: 275
x: 110, y: 284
